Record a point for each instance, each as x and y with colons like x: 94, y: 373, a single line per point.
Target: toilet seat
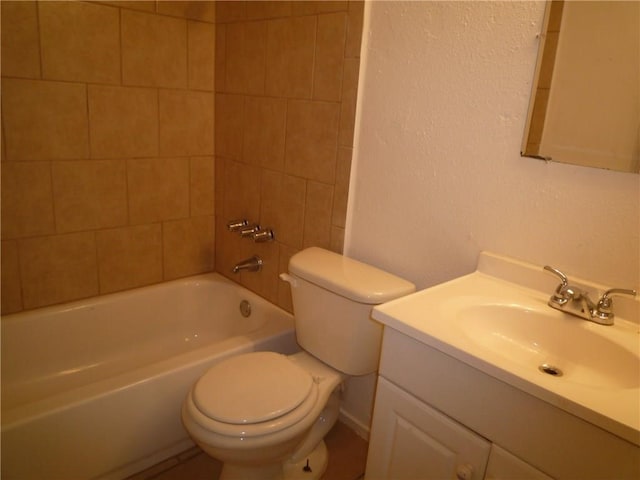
x: 253, y: 394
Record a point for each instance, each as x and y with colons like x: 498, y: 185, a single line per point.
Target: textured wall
x: 443, y: 98
x: 286, y: 79
x: 437, y: 177
x: 107, y: 147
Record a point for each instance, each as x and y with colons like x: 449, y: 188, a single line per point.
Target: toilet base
x: 317, y: 465
x: 318, y: 460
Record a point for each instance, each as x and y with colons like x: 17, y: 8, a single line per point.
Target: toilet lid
x: 252, y: 388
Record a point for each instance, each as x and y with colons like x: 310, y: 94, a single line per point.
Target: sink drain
x: 550, y: 370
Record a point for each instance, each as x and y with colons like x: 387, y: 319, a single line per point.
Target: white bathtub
x: 92, y: 389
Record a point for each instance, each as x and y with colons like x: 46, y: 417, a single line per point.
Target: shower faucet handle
x: 236, y: 225
x: 249, y: 230
x: 262, y: 236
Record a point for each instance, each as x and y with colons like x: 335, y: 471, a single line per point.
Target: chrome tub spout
x: 253, y: 264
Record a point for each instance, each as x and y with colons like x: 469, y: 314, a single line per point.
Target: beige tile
x: 192, y: 9
x: 129, y: 257
x: 243, y: 183
x: 11, y: 289
x: 202, y: 49
x: 317, y: 217
x: 329, y: 57
x: 158, y: 189
x: 27, y: 199
x: 230, y: 11
x: 284, y: 288
x: 186, y: 123
x: 188, y: 246
x: 20, y: 39
x: 219, y: 185
x: 282, y: 206
x: 245, y: 57
x: 265, y: 282
x: 228, y: 249
x: 58, y: 268
x: 154, y: 50
x: 264, y: 132
x: 80, y: 41
x: 341, y: 192
x: 142, y: 5
x: 221, y: 58
x: 202, y: 186
x: 312, y: 131
x: 354, y: 29
x: 310, y: 7
x: 123, y: 122
x: 337, y: 239
x: 89, y: 194
x: 228, y: 125
x: 265, y: 9
x: 44, y: 120
x: 349, y: 99
x: 290, y: 53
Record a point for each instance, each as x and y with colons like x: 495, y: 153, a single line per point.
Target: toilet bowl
x: 265, y: 414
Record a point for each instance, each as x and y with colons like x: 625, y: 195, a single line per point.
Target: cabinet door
x: 410, y: 440
x: 505, y: 466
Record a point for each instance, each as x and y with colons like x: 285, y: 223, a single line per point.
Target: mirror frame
x: 541, y: 87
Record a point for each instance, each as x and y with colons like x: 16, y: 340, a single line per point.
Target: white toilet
x: 265, y: 414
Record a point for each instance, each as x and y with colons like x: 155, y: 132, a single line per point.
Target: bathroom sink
x: 550, y: 342
x: 497, y: 320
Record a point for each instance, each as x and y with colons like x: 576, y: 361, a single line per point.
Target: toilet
x: 264, y: 414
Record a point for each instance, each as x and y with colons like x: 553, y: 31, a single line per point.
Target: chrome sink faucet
x: 575, y: 301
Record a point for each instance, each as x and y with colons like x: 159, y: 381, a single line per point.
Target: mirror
x: 585, y: 103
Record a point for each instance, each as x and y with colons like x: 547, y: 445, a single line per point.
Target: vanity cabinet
x: 435, y: 417
x: 413, y: 440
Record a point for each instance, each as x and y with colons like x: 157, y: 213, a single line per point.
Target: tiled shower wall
x: 107, y: 147
x: 286, y: 81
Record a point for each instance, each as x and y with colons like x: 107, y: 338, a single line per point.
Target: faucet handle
x: 605, y: 304
x: 235, y: 225
x: 261, y: 236
x: 249, y: 230
x: 560, y: 293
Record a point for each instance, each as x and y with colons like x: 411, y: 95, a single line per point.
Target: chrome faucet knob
x: 235, y: 225
x: 605, y: 304
x: 249, y: 230
x: 262, y: 236
x: 561, y: 294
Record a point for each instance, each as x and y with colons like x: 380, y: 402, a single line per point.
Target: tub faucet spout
x: 253, y: 264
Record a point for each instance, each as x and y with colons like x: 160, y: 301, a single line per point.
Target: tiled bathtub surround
x: 108, y: 140
x: 286, y: 82
x: 107, y: 147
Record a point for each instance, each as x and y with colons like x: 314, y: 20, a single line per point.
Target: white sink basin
x: 551, y: 342
x: 497, y: 320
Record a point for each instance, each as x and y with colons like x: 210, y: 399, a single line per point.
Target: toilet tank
x: 332, y: 300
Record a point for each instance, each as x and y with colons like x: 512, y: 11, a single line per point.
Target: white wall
x: 443, y: 96
x: 437, y: 175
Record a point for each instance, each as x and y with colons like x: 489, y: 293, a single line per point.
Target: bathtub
x: 93, y: 389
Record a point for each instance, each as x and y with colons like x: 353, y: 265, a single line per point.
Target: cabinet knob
x: 464, y: 472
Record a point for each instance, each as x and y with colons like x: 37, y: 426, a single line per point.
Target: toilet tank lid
x: 348, y: 277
